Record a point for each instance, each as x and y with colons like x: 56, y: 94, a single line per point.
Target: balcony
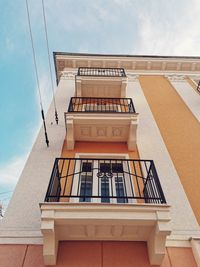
x: 105, y: 199
x: 89, y: 180
x: 101, y: 72
x: 101, y: 105
x: 101, y: 120
x: 101, y: 82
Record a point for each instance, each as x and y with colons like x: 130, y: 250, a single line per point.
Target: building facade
x: 119, y: 184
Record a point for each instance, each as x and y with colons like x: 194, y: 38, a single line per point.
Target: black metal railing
x: 105, y: 72
x: 198, y: 87
x: 92, y: 104
x: 104, y: 181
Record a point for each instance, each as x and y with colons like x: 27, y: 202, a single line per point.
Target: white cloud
x: 175, y: 31
x: 123, y: 4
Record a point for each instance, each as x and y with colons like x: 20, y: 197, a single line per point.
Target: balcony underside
x: 101, y: 128
x: 101, y: 86
x: 93, y: 221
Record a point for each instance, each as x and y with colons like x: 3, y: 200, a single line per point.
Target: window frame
x: 95, y: 181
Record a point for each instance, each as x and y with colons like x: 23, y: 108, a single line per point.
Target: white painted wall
x: 151, y: 146
x: 189, y: 96
x: 22, y: 219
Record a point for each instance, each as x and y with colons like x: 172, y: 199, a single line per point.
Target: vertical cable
x: 37, y: 77
x: 50, y: 70
x: 1, y: 210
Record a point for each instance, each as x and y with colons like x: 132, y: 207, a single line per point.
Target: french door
x: 102, y: 181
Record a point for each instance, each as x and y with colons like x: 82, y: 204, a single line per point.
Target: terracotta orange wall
x: 93, y: 254
x: 98, y: 147
x: 180, y: 131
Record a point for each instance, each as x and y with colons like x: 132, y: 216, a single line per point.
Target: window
x: 86, y: 182
x: 102, y: 180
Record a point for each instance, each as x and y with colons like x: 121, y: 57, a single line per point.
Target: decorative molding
x: 147, y: 64
x: 60, y: 65
x: 116, y: 131
x: 101, y: 131
x: 85, y: 131
x: 176, y: 78
x: 194, y: 77
x: 67, y: 75
x: 132, y: 77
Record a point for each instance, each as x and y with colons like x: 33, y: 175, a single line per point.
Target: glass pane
x: 120, y: 192
x: 105, y: 190
x: 86, y: 189
x: 117, y: 168
x: 86, y: 167
x: 105, y: 167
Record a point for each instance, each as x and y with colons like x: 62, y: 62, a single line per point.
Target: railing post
x: 132, y: 106
x: 198, y: 87
x: 70, y: 108
x: 52, y: 182
x: 157, y: 181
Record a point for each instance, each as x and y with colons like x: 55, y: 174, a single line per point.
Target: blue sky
x: 156, y: 27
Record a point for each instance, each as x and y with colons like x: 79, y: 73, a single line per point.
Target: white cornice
x: 138, y: 64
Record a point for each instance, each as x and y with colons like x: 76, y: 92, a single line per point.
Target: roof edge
x: 122, y: 55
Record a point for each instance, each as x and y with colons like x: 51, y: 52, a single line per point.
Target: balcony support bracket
x: 156, y: 242
x: 123, y: 87
x: 195, y: 243
x: 70, y: 133
x: 78, y: 87
x: 50, y: 245
x: 132, y: 136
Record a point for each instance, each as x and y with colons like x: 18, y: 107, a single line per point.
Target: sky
x: 137, y: 27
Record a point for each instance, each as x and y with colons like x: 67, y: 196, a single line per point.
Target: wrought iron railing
x: 104, y: 181
x: 198, y: 87
x: 91, y: 104
x: 105, y: 72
